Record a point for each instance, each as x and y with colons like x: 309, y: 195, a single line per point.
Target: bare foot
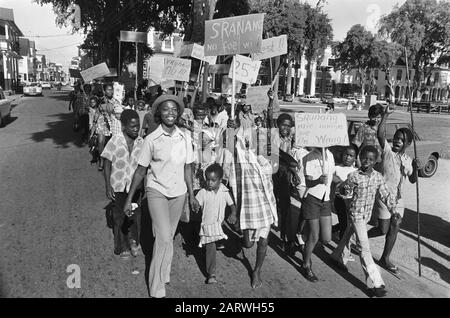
x: 256, y: 280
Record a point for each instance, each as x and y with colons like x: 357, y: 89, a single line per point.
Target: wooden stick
x: 233, y: 88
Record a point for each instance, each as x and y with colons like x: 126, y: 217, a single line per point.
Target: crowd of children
x: 249, y: 187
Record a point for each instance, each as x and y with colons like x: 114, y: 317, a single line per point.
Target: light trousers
x: 165, y: 214
x: 342, y: 252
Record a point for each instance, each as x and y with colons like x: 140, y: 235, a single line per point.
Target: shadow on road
x: 431, y: 227
x: 443, y: 271
x: 60, y: 131
x: 146, y: 239
x: 422, y: 243
x: 13, y: 119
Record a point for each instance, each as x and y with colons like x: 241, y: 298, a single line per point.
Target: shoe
x: 134, y: 248
x: 211, y: 279
x: 125, y: 255
x: 378, y: 292
x: 338, y: 264
x: 389, y: 267
x: 308, y: 274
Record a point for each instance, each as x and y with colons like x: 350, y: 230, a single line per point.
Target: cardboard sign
x: 235, y: 35
x: 155, y: 71
x: 196, y: 51
x: 257, y: 97
x: 246, y: 70
x: 320, y: 130
x: 131, y: 36
x: 271, y: 47
x: 119, y: 91
x: 176, y: 69
x: 94, y: 72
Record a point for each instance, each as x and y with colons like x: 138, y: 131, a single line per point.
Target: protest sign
x: 94, y: 72
x: 156, y: 68
x: 235, y: 35
x: 246, y: 70
x: 271, y: 47
x: 131, y: 36
x: 119, y: 91
x: 320, y: 130
x: 196, y: 51
x: 257, y: 97
x: 176, y: 69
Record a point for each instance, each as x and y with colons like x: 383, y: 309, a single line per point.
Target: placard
x: 196, y: 51
x: 257, y: 97
x: 235, y: 35
x: 94, y: 72
x: 131, y: 36
x: 176, y: 69
x: 246, y: 70
x: 271, y: 47
x: 320, y: 130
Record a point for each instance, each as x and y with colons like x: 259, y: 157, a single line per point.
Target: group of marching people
x: 195, y: 163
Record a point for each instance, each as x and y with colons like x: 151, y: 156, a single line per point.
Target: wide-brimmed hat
x: 163, y: 98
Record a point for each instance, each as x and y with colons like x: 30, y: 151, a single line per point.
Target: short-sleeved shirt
x: 364, y: 191
x: 395, y: 167
x: 365, y: 136
x: 312, y: 164
x: 123, y: 163
x: 166, y: 154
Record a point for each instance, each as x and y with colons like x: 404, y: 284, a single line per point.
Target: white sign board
x: 271, y: 47
x: 320, y: 130
x: 119, y: 91
x: 257, y: 97
x: 246, y: 70
x: 94, y: 72
x: 176, y: 69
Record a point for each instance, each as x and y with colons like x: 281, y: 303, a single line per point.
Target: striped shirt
x: 365, y: 187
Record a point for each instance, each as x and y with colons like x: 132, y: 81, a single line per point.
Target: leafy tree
x: 355, y: 52
x: 423, y: 27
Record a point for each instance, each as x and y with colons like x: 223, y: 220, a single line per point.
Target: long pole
x: 415, y: 170
x: 137, y: 71
x: 233, y: 87
x: 118, y: 63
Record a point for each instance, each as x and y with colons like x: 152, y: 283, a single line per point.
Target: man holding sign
x: 318, y: 131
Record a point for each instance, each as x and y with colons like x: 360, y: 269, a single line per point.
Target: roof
x: 8, y: 16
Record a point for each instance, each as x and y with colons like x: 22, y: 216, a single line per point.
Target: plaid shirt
x: 365, y: 187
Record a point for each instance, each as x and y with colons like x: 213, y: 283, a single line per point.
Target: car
x: 46, y: 85
x: 32, y: 89
x: 428, y: 151
x: 309, y: 99
x: 5, y: 108
x: 402, y: 102
x: 327, y: 99
x: 340, y: 100
x: 288, y: 98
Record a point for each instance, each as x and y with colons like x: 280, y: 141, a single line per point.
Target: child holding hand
x: 213, y: 200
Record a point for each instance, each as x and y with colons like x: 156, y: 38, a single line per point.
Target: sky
x: 33, y: 20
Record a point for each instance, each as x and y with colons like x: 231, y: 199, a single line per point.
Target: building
x: 41, y: 66
x: 9, y: 50
x: 27, y: 65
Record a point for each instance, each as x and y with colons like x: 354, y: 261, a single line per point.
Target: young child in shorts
x: 213, y: 200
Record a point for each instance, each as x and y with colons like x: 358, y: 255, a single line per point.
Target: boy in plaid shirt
x: 362, y: 185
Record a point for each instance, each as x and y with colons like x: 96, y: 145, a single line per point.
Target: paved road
x: 52, y: 215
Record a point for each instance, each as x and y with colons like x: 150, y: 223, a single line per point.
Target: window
x: 167, y: 45
x: 2, y: 30
x: 376, y: 74
x: 436, y: 78
x: 399, y: 75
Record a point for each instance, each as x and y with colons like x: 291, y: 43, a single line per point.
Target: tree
x: 355, y: 52
x: 423, y: 27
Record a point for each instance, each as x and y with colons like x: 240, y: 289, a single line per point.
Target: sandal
x: 211, y: 279
x: 390, y: 268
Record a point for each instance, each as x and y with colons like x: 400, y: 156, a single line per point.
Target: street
x: 52, y: 215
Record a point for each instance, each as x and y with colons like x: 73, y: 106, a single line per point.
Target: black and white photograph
x: 225, y: 154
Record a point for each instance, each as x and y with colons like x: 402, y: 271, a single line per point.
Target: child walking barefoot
x: 213, y: 199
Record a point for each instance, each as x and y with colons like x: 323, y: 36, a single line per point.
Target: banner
x: 131, y: 36
x: 235, y: 35
x: 271, y: 47
x: 196, y: 51
x: 320, y: 130
x: 257, y: 97
x: 94, y: 72
x: 176, y: 69
x: 246, y: 70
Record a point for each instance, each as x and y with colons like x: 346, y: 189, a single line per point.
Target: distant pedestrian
x: 213, y: 200
x: 121, y: 156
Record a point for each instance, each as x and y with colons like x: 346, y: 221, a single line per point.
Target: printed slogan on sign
x: 320, y: 130
x: 236, y: 35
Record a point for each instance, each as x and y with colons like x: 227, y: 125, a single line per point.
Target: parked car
x: 5, y: 109
x: 32, y: 89
x: 340, y: 100
x: 46, y: 85
x: 427, y: 150
x: 309, y: 99
x: 288, y: 98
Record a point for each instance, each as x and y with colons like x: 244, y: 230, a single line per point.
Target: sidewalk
x: 13, y: 98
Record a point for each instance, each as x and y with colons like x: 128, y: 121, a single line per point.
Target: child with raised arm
x: 363, y: 185
x: 213, y: 200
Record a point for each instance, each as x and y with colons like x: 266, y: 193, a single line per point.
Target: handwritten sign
x: 196, y: 51
x: 176, y: 69
x: 131, y: 36
x: 271, y: 47
x: 94, y: 72
x: 257, y: 97
x: 246, y: 70
x: 320, y: 130
x: 235, y: 35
